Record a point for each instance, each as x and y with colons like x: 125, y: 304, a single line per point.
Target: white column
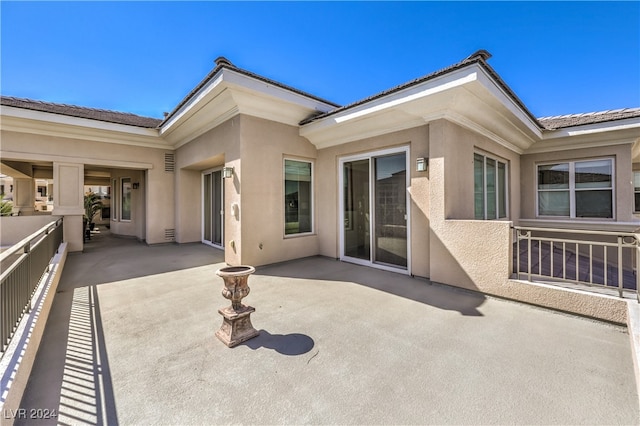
x: 24, y: 196
x: 68, y: 201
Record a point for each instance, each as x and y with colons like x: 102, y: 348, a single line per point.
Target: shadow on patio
x: 130, y: 340
x: 417, y: 289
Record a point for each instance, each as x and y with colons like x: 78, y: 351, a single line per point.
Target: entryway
x: 213, y: 208
x: 374, y: 209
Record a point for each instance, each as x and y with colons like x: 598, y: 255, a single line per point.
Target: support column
x: 68, y: 201
x: 24, y: 197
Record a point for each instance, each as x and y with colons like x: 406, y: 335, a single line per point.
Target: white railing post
x: 595, y: 263
x: 637, y: 268
x: 620, y: 270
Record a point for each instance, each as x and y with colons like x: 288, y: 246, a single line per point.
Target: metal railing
x: 594, y: 258
x: 23, y: 265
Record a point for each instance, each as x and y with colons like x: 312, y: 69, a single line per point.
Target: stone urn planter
x: 236, y: 324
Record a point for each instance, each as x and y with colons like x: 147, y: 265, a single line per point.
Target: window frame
x: 573, y: 190
x: 498, y: 161
x: 115, y: 201
x: 122, y: 182
x: 636, y: 191
x: 311, y: 198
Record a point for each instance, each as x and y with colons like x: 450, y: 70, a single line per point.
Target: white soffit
x: 23, y: 120
x: 593, y: 140
x: 230, y: 93
x: 466, y: 95
x: 595, y: 128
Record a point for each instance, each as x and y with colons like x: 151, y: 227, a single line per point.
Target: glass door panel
x: 357, y: 236
x: 217, y: 197
x: 207, y: 208
x: 390, y: 210
x: 213, y: 214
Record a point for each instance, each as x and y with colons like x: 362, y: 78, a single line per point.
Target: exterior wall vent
x: 170, y: 234
x: 169, y: 162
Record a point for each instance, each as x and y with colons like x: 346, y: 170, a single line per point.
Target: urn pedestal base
x: 236, y: 326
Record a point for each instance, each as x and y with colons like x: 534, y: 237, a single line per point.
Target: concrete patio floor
x: 130, y: 340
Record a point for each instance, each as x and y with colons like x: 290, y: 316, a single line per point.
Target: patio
x: 130, y: 340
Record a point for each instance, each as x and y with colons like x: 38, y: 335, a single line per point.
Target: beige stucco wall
x: 477, y: 254
x: 219, y: 146
x: 473, y: 254
x: 327, y: 192
x: 156, y: 186
x: 623, y: 177
x: 15, y: 228
x: 136, y: 227
x: 265, y: 145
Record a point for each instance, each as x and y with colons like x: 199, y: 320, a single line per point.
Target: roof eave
x: 468, y: 95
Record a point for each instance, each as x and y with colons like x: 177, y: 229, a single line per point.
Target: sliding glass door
x: 374, y: 209
x: 213, y: 208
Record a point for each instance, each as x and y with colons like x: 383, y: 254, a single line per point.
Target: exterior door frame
x: 220, y: 193
x: 371, y: 155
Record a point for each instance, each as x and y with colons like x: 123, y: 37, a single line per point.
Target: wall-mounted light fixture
x: 136, y: 185
x: 422, y: 164
x: 227, y: 172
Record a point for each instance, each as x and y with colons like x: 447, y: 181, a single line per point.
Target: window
x: 297, y: 197
x: 576, y: 189
x: 125, y: 206
x: 114, y: 200
x: 490, y: 187
x: 636, y: 191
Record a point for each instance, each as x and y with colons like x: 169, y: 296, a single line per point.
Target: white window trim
x: 121, y: 203
x: 363, y: 156
x: 312, y: 198
x: 506, y: 186
x: 209, y: 243
x: 636, y: 209
x: 115, y: 201
x: 572, y: 189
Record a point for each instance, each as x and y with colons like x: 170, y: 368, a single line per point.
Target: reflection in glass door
x: 357, y: 226
x: 374, y: 209
x: 213, y: 208
x: 391, y: 210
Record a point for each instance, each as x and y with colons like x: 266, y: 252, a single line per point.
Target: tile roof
x: 480, y: 57
x: 222, y: 62
x: 569, y: 120
x: 82, y: 112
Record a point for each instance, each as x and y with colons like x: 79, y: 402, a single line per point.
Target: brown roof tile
x: 222, y: 62
x: 82, y: 112
x: 570, y: 120
x: 480, y: 57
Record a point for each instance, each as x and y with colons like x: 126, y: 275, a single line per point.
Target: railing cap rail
x: 577, y: 231
x: 27, y: 240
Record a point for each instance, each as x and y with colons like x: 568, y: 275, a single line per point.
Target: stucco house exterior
x: 428, y: 178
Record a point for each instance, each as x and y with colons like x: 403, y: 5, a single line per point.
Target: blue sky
x: 144, y: 57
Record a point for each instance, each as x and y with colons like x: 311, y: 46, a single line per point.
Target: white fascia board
x: 227, y: 79
x: 472, y: 78
x: 619, y: 132
x: 131, y: 135
x: 439, y: 84
x: 590, y: 129
x: 271, y: 90
x: 48, y: 117
x: 498, y: 92
x: 192, y: 104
